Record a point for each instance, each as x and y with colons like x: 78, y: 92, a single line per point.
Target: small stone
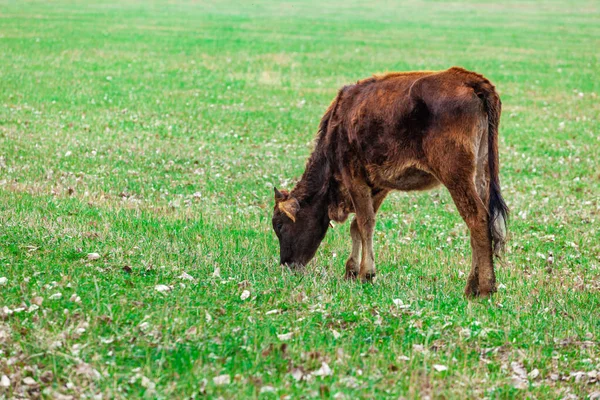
x: 29, y: 381
x: 186, y: 276
x: 222, y: 380
x: 285, y: 336
x: 297, y: 374
x: 74, y: 298
x: 162, y: 288
x: 324, y: 370
x: 534, y: 373
x: 267, y: 389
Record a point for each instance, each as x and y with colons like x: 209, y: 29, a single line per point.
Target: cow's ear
x: 280, y: 195
x: 290, y: 207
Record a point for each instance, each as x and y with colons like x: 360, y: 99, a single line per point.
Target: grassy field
x: 152, y: 133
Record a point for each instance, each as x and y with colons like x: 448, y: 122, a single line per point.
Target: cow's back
x: 383, y: 121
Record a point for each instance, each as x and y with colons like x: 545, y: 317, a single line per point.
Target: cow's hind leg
x: 482, y: 280
x: 456, y: 168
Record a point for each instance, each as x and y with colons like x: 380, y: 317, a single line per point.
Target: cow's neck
x: 316, y: 182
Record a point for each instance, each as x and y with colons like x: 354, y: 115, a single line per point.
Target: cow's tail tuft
x: 498, y: 210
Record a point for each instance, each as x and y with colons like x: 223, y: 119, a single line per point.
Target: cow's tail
x: 498, y: 210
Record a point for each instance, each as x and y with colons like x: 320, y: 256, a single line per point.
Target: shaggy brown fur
x: 400, y: 131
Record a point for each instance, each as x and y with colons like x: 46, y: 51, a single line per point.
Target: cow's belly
x: 405, y: 179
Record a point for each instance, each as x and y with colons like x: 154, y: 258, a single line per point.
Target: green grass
x: 152, y: 134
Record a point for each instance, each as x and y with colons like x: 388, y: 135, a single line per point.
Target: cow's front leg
x: 353, y: 263
x: 362, y: 200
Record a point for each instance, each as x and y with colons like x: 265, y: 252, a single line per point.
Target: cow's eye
x: 279, y: 226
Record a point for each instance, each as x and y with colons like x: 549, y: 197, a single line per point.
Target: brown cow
x: 400, y: 131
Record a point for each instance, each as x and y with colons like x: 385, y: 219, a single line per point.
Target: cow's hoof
x: 369, y: 277
x: 473, y: 291
x: 486, y: 291
x: 351, y: 270
x: 350, y: 275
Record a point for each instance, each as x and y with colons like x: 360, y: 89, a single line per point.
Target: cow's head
x: 300, y: 230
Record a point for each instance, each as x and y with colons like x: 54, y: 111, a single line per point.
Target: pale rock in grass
x: 207, y: 317
x: 75, y: 349
x: 29, y: 381
x: 222, y: 380
x: 518, y: 370
x: 37, y: 300
x: 271, y: 312
x: 74, y: 298
x: 285, y: 336
x: 147, y: 383
x: 3, y: 280
x: 87, y: 371
x: 336, y: 334
x: 216, y: 273
x: 378, y: 320
x: 59, y: 396
x: 245, y: 294
x: 400, y: 304
x: 267, y: 389
x: 440, y: 368
x: 519, y: 378
x: 163, y: 288
x: 55, y: 296
x: 534, y: 373
x: 519, y: 383
x: 93, y: 256
x: 324, y: 370
x: 4, y: 381
x: 55, y: 345
x: 595, y: 395
x: 297, y: 374
x: 186, y: 277
x: 418, y: 348
x: 578, y: 375
x: 350, y: 382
